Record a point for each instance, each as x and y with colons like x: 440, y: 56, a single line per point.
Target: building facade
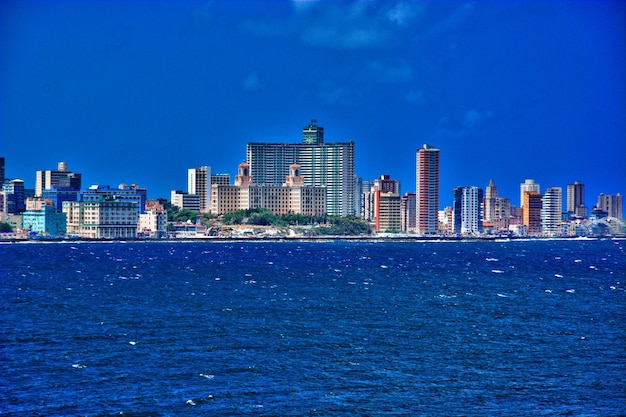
x: 528, y: 185
x: 127, y: 193
x: 532, y: 213
x: 427, y: 190
x: 199, y: 183
x: 293, y: 196
x: 467, y: 218
x: 551, y: 212
x: 184, y: 200
x: 106, y: 218
x: 611, y: 204
x: 44, y: 220
x: 61, y: 177
x: 330, y: 165
x: 576, y: 199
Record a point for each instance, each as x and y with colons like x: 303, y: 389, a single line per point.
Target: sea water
x: 520, y: 328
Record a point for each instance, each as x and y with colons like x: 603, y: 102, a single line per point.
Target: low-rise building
x: 44, y: 220
x: 106, y: 218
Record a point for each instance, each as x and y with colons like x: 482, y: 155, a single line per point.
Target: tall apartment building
x: 532, y: 212
x: 370, y: 198
x: 199, y: 183
x: 60, y: 177
x: 330, y: 165
x: 551, y: 212
x: 530, y: 186
x: 576, y: 199
x: 388, y: 212
x: 427, y: 190
x: 13, y: 196
x: 407, y: 212
x: 612, y: 204
x: 293, y: 196
x: 106, y: 218
x: 467, y: 211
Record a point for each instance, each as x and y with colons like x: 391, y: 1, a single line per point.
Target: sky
x: 139, y: 91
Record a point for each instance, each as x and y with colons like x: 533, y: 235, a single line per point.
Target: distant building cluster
x: 312, y: 178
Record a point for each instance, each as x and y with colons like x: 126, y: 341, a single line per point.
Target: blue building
x: 45, y: 221
x: 60, y: 194
x: 124, y: 193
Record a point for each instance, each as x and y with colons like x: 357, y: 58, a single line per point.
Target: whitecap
x: 384, y: 266
x: 578, y: 260
x: 548, y: 291
x: 491, y: 259
x: 497, y: 271
x: 558, y: 275
x: 593, y: 267
x: 502, y: 295
x: 79, y: 366
x: 132, y: 342
x: 571, y: 290
x: 210, y: 376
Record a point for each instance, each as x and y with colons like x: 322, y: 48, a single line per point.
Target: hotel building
x: 105, y: 218
x: 527, y: 186
x: 330, y: 165
x: 293, y: 196
x: 427, y: 190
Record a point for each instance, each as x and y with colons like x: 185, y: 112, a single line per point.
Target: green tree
x: 5, y: 228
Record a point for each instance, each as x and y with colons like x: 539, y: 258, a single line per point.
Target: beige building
x: 104, y: 219
x: 292, y: 197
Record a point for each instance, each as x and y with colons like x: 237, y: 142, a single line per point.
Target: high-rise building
x: 551, y: 212
x: 491, y: 195
x: 13, y: 196
x: 467, y: 211
x: 532, y: 212
x: 313, y: 134
x: 199, y: 183
x: 128, y: 193
x: 1, y: 170
x: 322, y: 164
x: 60, y: 177
x: 407, y: 212
x: 427, y: 190
x: 220, y: 179
x: 612, y: 204
x: 388, y: 217
x: 528, y: 185
x: 576, y: 199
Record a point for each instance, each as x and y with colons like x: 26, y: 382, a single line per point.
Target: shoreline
x: 402, y: 238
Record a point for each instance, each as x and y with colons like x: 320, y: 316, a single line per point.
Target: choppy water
x: 308, y: 328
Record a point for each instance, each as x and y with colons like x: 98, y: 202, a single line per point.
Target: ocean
x: 296, y: 328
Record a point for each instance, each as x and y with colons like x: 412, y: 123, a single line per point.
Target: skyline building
x: 528, y: 185
x: 199, y: 183
x: 61, y: 177
x: 611, y: 204
x: 576, y: 199
x: 293, y: 196
x: 467, y: 218
x: 427, y: 190
x: 532, y: 212
x: 407, y: 212
x: 313, y: 134
x: 127, y: 193
x: 552, y: 211
x: 106, y: 218
x: 321, y: 164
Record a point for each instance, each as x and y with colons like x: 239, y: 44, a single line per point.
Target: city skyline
x: 139, y: 93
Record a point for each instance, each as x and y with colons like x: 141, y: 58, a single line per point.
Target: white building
x: 104, y: 219
x: 527, y: 186
x: 551, y: 212
x: 153, y: 223
x: 199, y: 183
x: 185, y: 201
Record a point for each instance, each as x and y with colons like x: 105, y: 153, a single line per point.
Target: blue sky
x: 139, y: 91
